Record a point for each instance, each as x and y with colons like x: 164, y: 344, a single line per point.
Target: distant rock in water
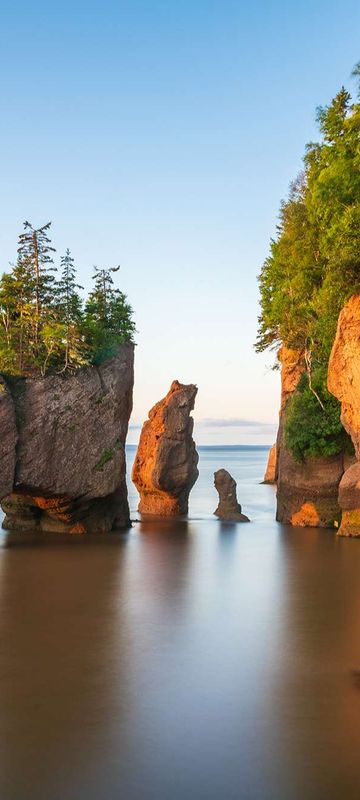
x: 165, y: 467
x: 270, y: 472
x: 344, y: 383
x: 62, y: 448
x: 228, y: 508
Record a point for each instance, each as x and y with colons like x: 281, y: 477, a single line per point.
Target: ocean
x: 184, y: 660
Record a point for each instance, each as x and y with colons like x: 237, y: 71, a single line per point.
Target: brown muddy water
x: 183, y: 661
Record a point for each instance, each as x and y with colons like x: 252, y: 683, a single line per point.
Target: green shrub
x: 311, y: 430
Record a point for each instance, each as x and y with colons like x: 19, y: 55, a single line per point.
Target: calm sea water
x: 183, y: 661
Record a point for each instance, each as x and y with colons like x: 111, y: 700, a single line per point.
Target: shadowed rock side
x: 165, y: 467
x: 344, y: 383
x: 270, y: 472
x: 8, y: 440
x: 228, y: 509
x: 70, y: 458
x: 307, y: 492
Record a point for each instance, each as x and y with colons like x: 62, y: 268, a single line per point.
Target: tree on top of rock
x: 108, y: 316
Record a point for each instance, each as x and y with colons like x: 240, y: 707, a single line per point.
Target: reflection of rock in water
x: 74, y: 616
x: 64, y: 623
x: 313, y: 702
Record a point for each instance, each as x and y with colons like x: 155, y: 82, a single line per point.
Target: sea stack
x: 165, y: 467
x: 344, y: 383
x: 228, y: 509
x: 63, y: 448
x: 270, y: 472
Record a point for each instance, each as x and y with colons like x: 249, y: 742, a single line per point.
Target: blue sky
x: 162, y: 136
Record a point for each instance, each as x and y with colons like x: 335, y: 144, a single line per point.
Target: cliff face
x: 165, y: 467
x: 344, y: 369
x: 344, y: 383
x: 307, y: 493
x: 8, y: 439
x: 67, y: 470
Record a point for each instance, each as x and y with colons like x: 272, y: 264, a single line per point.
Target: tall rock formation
x: 228, y: 509
x: 344, y: 383
x: 307, y: 492
x: 271, y: 466
x: 65, y: 467
x: 165, y: 467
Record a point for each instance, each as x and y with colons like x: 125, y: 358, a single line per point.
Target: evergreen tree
x: 108, y: 316
x: 314, y: 266
x: 35, y: 254
x: 42, y: 323
x: 69, y: 306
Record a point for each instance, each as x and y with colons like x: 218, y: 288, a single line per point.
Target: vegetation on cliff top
x: 312, y: 269
x: 45, y: 325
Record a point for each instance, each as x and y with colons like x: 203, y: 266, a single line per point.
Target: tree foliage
x: 44, y: 323
x: 314, y: 266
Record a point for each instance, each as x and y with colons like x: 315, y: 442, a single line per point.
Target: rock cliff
x: 228, y: 509
x: 165, y: 467
x: 63, y: 463
x: 307, y: 492
x: 344, y: 383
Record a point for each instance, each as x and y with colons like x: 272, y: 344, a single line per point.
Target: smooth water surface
x: 183, y: 661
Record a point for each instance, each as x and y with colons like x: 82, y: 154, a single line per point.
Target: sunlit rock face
x: 271, y: 469
x: 165, y: 467
x: 307, y: 492
x: 228, y: 509
x: 344, y: 383
x: 70, y: 465
x: 344, y: 369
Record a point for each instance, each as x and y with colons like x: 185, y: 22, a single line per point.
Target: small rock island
x: 228, y: 509
x: 165, y: 467
x: 62, y: 450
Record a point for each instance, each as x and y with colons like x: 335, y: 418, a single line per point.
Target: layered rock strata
x: 165, y: 467
x: 228, y: 509
x: 65, y: 469
x: 344, y: 383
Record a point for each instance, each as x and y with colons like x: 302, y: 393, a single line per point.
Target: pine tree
x: 35, y: 254
x: 108, y: 316
x: 69, y: 305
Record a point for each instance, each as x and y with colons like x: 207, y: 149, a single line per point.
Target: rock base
x: 26, y: 512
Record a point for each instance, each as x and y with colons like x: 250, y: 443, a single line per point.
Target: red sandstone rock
x: 307, y: 492
x: 344, y: 383
x: 270, y: 472
x: 228, y: 509
x: 165, y: 467
x: 344, y: 368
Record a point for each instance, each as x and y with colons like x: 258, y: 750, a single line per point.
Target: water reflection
x: 184, y: 660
